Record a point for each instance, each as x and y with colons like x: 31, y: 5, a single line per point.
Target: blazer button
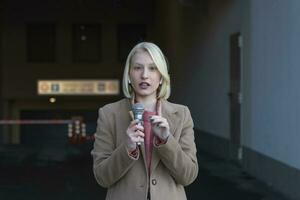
x: 154, y: 182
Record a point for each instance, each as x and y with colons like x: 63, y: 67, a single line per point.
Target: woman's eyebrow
x: 151, y: 64
x: 137, y: 64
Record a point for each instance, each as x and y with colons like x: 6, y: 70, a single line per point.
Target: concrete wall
x: 275, y: 29
x: 197, y: 41
x: 271, y: 127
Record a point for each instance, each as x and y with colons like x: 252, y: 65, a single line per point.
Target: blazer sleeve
x: 180, y: 156
x: 110, y: 163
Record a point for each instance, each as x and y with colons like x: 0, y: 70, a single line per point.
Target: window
x: 41, y: 42
x: 86, y: 43
x: 128, y: 36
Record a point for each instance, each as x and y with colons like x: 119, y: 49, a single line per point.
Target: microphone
x: 138, y: 110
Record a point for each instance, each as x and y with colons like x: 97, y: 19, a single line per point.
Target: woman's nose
x: 145, y: 73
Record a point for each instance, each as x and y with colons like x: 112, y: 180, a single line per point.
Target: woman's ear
x: 160, y: 82
x: 129, y: 82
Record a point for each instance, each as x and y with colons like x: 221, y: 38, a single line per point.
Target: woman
x: 154, y: 160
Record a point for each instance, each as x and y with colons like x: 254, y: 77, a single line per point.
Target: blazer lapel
x: 166, y: 110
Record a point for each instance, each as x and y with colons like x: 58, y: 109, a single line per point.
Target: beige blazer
x: 173, y: 166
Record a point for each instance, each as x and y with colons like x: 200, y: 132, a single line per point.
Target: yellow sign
x: 78, y: 87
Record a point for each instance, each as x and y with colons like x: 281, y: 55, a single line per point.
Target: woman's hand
x: 135, y: 134
x: 160, y: 127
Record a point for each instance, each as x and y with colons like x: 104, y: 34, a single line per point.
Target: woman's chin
x: 145, y: 93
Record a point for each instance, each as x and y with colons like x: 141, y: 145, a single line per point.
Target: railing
x: 76, y: 127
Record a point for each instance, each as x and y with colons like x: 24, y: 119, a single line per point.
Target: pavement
x: 66, y: 174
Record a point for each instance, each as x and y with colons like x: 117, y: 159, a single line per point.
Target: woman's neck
x: 149, y: 103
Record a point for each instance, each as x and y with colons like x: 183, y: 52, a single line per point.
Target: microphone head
x: 138, y: 110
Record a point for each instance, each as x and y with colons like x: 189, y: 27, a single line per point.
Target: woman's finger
x: 136, y: 134
x: 139, y: 127
x: 158, y: 121
x: 133, y: 123
x: 136, y: 128
x: 138, y: 140
x: 155, y: 117
x: 139, y: 134
x: 163, y: 125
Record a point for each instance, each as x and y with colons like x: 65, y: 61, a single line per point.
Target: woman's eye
x: 137, y: 67
x: 153, y: 68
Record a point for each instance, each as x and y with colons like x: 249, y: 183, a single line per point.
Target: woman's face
x: 144, y: 75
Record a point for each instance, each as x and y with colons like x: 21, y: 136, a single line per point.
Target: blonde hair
x: 159, y: 60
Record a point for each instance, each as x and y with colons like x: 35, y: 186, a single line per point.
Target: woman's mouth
x: 144, y: 85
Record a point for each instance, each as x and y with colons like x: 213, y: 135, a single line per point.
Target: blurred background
x: 234, y: 63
